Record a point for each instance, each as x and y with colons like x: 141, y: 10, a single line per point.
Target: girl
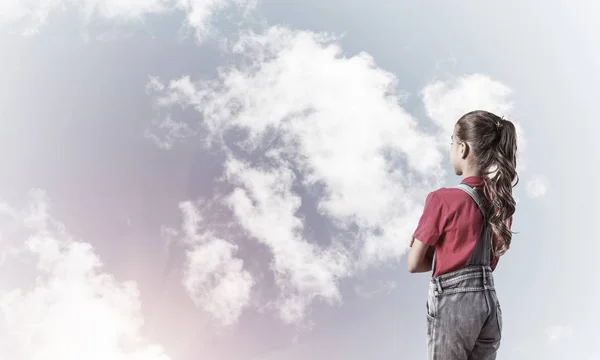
x: 462, y: 233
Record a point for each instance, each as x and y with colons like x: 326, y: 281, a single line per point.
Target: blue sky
x: 239, y: 180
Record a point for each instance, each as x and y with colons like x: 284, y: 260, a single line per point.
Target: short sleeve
x: 432, y: 222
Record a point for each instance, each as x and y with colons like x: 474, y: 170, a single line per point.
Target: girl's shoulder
x: 447, y: 192
x: 450, y: 197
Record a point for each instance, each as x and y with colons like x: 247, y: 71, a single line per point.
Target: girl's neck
x: 471, y: 172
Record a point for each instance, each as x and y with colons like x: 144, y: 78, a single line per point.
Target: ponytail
x: 499, y: 181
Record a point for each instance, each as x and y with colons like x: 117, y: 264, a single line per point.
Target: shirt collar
x: 474, y: 181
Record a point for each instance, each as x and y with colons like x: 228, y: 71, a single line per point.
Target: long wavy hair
x: 493, y: 141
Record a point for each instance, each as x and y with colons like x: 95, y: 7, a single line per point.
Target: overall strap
x: 476, y: 197
x: 481, y: 255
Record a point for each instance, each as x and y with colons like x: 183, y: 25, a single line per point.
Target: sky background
x: 239, y: 180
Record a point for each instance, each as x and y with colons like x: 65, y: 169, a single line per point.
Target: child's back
x: 468, y: 227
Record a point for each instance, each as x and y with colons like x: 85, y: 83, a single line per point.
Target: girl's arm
x: 420, y: 258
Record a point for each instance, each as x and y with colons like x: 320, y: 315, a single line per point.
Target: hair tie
x: 499, y: 124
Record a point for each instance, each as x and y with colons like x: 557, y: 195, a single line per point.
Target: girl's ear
x: 464, y: 150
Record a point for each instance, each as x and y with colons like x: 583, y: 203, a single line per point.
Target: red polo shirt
x: 452, y: 223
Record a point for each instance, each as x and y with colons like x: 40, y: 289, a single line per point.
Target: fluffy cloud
x: 165, y: 132
x: 302, y: 124
x: 265, y: 205
x: 446, y: 101
x: 200, y: 11
x: 71, y: 310
x: 31, y: 16
x: 215, y: 280
x: 537, y: 186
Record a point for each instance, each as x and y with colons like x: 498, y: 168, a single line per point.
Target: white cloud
x: 200, y: 11
x: 70, y: 310
x: 381, y: 286
x: 166, y: 132
x: 215, y: 280
x: 309, y: 120
x: 29, y: 17
x: 558, y: 332
x: 446, y: 101
x: 537, y: 186
x: 265, y: 206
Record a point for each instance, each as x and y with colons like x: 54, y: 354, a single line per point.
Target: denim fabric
x: 464, y: 319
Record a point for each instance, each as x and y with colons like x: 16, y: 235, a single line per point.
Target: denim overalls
x: 464, y: 320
